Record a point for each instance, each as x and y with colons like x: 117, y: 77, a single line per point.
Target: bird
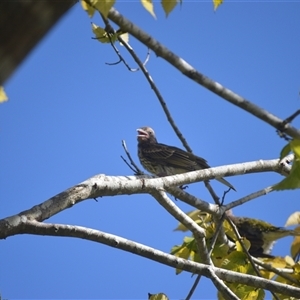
x: 261, y: 235
x: 164, y: 160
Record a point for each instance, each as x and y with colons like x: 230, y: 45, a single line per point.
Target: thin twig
x: 120, y: 57
x: 130, y: 50
x: 219, y: 221
x: 250, y: 197
x: 193, y: 288
x: 135, y: 168
x: 219, y: 229
x: 110, y: 32
x: 212, y: 192
x: 157, y: 93
x: 212, y: 245
x: 288, y: 120
x: 130, y: 167
x: 236, y: 232
x: 292, y: 117
x: 269, y: 267
x: 224, y: 195
x: 148, y: 77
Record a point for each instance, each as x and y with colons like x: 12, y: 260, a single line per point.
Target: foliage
x: 235, y: 259
x: 293, y: 180
x: 3, y: 96
x: 103, y: 6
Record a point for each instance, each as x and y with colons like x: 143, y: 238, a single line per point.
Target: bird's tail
x: 222, y: 180
x: 281, y: 233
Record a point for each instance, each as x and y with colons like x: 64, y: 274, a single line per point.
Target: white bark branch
x: 114, y: 241
x: 222, y: 287
x: 101, y: 185
x: 177, y: 213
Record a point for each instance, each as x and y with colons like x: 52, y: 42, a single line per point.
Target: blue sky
x: 68, y: 113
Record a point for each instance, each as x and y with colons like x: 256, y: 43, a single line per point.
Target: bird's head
x: 146, y: 134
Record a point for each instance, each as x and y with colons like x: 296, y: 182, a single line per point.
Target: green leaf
x: 293, y: 180
x: 217, y: 3
x: 103, y: 6
x: 295, y: 146
x: 181, y: 251
x: 102, y: 35
x: 195, y: 215
x: 244, y: 292
x: 148, y: 5
x: 285, y: 151
x: 160, y: 296
x: 236, y: 261
x: 168, y: 5
x: 245, y: 242
x: 256, y: 294
x: 220, y: 251
x: 188, y: 240
x: 3, y: 96
x: 89, y: 9
x: 295, y: 246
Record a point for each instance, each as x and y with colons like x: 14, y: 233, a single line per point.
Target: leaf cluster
x: 235, y: 259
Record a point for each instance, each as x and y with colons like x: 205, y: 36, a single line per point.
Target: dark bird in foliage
x: 164, y: 160
x: 260, y: 234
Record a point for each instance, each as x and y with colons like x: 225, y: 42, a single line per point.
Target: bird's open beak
x: 142, y: 133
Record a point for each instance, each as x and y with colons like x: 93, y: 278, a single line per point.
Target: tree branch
x: 247, y: 198
x: 177, y: 213
x: 38, y: 228
x: 158, y: 95
x: 277, y: 271
x: 101, y: 185
x: 192, y: 73
x: 221, y: 287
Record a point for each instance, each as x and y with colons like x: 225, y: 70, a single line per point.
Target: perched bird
x: 260, y: 234
x: 164, y: 160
